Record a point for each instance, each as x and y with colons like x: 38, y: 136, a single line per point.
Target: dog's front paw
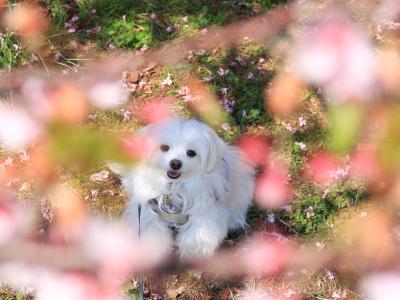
x: 199, y: 242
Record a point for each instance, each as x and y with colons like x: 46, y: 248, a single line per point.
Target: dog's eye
x: 190, y: 153
x: 164, y: 148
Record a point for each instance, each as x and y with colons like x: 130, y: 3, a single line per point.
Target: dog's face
x: 183, y: 148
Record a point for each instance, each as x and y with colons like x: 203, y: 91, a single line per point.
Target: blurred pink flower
x: 387, y: 12
x: 17, y: 128
x: 255, y: 148
x: 118, y: 250
x: 108, y: 94
x: 381, y: 286
x: 337, y: 56
x: 7, y: 224
x: 48, y: 284
x: 265, y: 256
x: 139, y: 147
x: 14, y: 220
x: 111, y: 247
x: 321, y: 168
x: 154, y: 110
x: 272, y: 189
x: 364, y: 164
x: 73, y: 286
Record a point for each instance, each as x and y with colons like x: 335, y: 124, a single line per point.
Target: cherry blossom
x: 154, y: 110
x: 381, y: 286
x: 17, y: 128
x: 263, y: 256
x: 255, y: 148
x: 272, y: 189
x: 107, y: 94
x: 337, y: 56
x: 322, y: 168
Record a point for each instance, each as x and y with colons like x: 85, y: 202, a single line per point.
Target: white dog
x: 191, y: 186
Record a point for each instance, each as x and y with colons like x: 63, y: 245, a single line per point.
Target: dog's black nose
x: 175, y: 164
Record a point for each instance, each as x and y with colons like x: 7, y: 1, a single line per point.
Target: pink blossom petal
x: 14, y: 220
x: 139, y: 147
x: 118, y: 250
x: 17, y: 128
x: 272, y: 189
x: 264, y: 256
x: 321, y: 167
x: 154, y: 110
x: 34, y: 91
x: 381, y: 286
x: 73, y: 286
x: 364, y: 164
x: 255, y: 148
x: 8, y: 224
x: 108, y: 94
x: 337, y: 56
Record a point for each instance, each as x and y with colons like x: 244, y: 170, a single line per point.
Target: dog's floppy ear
x: 216, y: 147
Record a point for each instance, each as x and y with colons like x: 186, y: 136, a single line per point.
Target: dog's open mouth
x: 173, y: 174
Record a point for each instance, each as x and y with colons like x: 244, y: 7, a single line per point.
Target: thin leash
x: 177, y: 218
x: 141, y: 277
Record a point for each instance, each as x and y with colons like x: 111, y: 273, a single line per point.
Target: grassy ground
x: 100, y: 26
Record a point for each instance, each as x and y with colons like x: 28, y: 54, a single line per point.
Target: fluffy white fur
x: 216, y: 186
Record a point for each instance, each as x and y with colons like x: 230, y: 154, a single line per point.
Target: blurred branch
x: 257, y: 28
x: 57, y: 257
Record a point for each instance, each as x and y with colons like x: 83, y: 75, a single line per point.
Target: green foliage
x: 7, y: 293
x: 131, y: 291
x: 296, y: 159
x: 245, y: 86
x: 57, y: 14
x: 389, y: 153
x: 11, y: 52
x: 105, y: 8
x: 78, y: 148
x: 346, y: 121
x: 138, y: 29
x: 312, y: 213
x: 126, y: 33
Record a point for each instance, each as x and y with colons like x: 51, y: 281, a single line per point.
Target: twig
x: 289, y: 227
x: 257, y: 28
x: 41, y: 59
x: 41, y: 254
